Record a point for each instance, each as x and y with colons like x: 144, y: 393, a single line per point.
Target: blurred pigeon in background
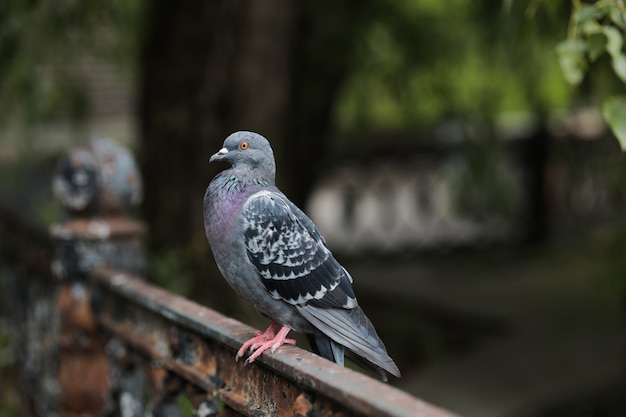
x: 273, y: 255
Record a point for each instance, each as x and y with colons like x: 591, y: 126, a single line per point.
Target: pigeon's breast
x: 221, y: 210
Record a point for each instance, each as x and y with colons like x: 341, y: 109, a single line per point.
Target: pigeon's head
x: 248, y: 151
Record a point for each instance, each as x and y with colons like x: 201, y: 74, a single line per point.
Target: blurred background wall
x: 476, y: 197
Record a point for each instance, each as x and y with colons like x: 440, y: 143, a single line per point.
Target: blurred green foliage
x: 41, y: 43
x: 597, y: 30
x: 415, y: 62
x: 424, y: 61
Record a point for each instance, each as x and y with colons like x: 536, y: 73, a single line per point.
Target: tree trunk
x: 207, y: 69
x: 535, y: 155
x: 326, y: 38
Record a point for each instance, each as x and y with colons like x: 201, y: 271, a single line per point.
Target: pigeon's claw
x: 269, y: 339
x: 249, y: 344
x: 259, y: 337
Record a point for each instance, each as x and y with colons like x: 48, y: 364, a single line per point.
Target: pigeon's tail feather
x: 375, y: 370
x: 333, y: 351
x: 353, y: 330
x: 326, y: 348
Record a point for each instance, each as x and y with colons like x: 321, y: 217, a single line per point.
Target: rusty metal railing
x: 118, y: 345
x: 196, y: 346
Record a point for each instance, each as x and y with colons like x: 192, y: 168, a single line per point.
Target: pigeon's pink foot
x: 269, y: 339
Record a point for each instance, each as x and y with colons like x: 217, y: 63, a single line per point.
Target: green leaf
x: 614, y: 112
x: 615, y: 40
x: 617, y: 17
x: 587, y: 12
x: 596, y: 45
x: 590, y: 27
x: 572, y: 60
x: 605, y: 3
x: 619, y: 66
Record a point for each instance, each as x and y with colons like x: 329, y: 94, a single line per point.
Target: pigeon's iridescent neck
x: 223, y: 199
x: 226, y: 182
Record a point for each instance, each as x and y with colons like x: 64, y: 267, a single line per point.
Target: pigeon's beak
x: 219, y: 155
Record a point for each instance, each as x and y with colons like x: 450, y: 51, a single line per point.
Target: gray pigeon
x: 273, y: 255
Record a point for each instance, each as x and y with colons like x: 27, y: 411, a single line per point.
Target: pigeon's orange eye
x: 243, y: 146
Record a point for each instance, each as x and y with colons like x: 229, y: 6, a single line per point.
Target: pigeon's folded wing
x: 291, y: 256
x: 295, y: 265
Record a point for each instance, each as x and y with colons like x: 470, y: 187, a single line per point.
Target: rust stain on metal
x: 75, y: 310
x: 84, y: 381
x: 83, y: 369
x: 302, y: 406
x: 157, y: 377
x: 205, y: 357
